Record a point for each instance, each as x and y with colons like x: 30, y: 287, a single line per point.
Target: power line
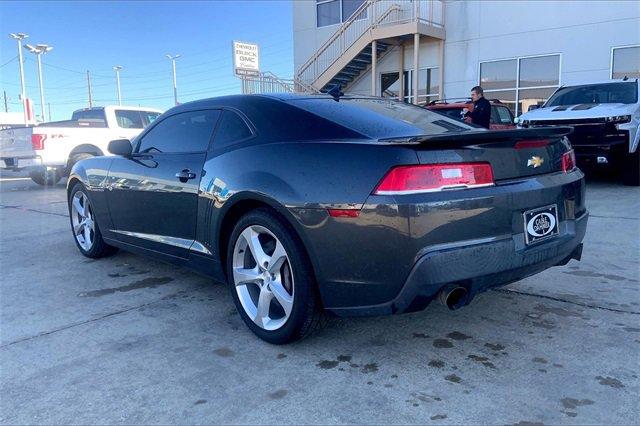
x: 9, y: 61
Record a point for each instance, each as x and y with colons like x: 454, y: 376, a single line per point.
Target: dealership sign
x: 245, y: 58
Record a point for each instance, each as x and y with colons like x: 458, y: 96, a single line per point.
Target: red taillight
x: 568, y: 161
x: 37, y: 141
x: 344, y: 213
x: 435, y: 177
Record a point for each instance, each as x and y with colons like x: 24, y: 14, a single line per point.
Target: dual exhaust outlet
x: 453, y: 296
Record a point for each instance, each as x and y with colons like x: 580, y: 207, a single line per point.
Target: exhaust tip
x: 454, y: 297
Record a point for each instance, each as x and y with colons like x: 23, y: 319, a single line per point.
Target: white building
x: 518, y: 51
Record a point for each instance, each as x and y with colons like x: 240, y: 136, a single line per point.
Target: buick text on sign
x: 245, y: 58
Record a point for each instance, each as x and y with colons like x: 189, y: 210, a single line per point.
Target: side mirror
x: 532, y: 107
x: 121, y: 147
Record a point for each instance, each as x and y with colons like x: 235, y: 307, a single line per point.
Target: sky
x: 136, y: 35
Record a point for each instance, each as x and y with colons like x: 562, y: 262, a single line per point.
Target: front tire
x: 631, y: 173
x: 271, y: 279
x: 85, y: 229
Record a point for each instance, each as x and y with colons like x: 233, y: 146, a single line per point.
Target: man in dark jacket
x: 481, y: 114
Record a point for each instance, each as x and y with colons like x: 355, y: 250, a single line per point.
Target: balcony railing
x: 267, y: 82
x: 371, y: 14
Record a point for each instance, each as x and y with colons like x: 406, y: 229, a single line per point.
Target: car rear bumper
x: 370, y: 264
x: 601, y: 154
x: 478, y: 265
x: 19, y: 163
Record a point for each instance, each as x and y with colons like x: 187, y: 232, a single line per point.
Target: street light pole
x: 19, y: 37
x: 39, y: 50
x: 175, y: 87
x: 117, y: 69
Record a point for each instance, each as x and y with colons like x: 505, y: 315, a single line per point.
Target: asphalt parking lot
x: 129, y: 340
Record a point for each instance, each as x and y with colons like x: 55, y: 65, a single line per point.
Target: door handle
x: 185, y: 175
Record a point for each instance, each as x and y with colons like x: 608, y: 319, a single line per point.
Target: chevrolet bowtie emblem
x: 535, y: 161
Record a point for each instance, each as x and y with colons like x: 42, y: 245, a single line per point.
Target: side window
x: 128, y: 119
x: 148, y: 117
x: 185, y: 132
x: 232, y: 128
x: 494, y: 115
x: 504, y: 115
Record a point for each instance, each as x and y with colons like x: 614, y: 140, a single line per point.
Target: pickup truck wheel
x: 86, y: 232
x: 46, y: 177
x: 631, y: 174
x: 271, y: 279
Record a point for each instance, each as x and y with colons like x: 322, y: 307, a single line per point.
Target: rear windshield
x: 382, y: 118
x: 88, y: 114
x: 606, y: 93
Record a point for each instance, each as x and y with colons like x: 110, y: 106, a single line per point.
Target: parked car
x: 501, y: 115
x: 48, y: 151
x: 605, y: 118
x: 308, y: 204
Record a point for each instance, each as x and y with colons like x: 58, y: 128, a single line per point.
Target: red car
x: 501, y: 116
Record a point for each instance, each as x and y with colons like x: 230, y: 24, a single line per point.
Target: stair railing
x: 370, y: 14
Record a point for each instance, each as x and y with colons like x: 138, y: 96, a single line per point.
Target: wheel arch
x: 86, y: 148
x: 241, y: 204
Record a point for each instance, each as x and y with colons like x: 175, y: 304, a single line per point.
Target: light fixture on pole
x: 39, y: 50
x: 117, y: 69
x: 173, y: 65
x: 19, y: 37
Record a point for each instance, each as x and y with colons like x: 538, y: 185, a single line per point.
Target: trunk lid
x: 511, y: 153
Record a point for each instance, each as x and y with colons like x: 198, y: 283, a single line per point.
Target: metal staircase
x: 348, y: 54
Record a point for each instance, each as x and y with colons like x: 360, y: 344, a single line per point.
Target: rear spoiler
x: 481, y: 137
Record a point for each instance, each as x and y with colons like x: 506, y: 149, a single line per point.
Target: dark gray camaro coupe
x: 356, y: 206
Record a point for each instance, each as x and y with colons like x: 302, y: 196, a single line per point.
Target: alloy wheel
x: 262, y: 277
x: 82, y: 219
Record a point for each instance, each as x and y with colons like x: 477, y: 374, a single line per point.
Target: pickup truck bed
x: 49, y: 151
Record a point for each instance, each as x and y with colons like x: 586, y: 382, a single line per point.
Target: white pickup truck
x: 605, y: 117
x: 48, y: 151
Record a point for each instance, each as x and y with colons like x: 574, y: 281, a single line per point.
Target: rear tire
x: 631, y: 169
x: 285, y: 267
x: 84, y: 227
x: 46, y: 177
x: 77, y: 157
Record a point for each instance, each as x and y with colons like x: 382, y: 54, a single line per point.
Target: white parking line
x: 12, y: 179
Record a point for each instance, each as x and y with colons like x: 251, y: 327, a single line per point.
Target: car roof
x: 309, y: 117
x: 102, y: 108
x: 592, y: 83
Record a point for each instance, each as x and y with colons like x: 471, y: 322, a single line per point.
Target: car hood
x: 579, y: 111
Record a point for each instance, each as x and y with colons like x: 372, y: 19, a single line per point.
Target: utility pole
x: 39, y: 50
x: 175, y: 87
x: 117, y: 69
x: 19, y: 37
x: 6, y: 106
x: 89, y: 89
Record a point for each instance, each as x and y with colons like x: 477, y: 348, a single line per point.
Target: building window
x: 522, y: 82
x: 330, y: 12
x: 625, y: 62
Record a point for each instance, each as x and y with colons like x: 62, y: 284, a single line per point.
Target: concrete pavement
x: 129, y: 340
